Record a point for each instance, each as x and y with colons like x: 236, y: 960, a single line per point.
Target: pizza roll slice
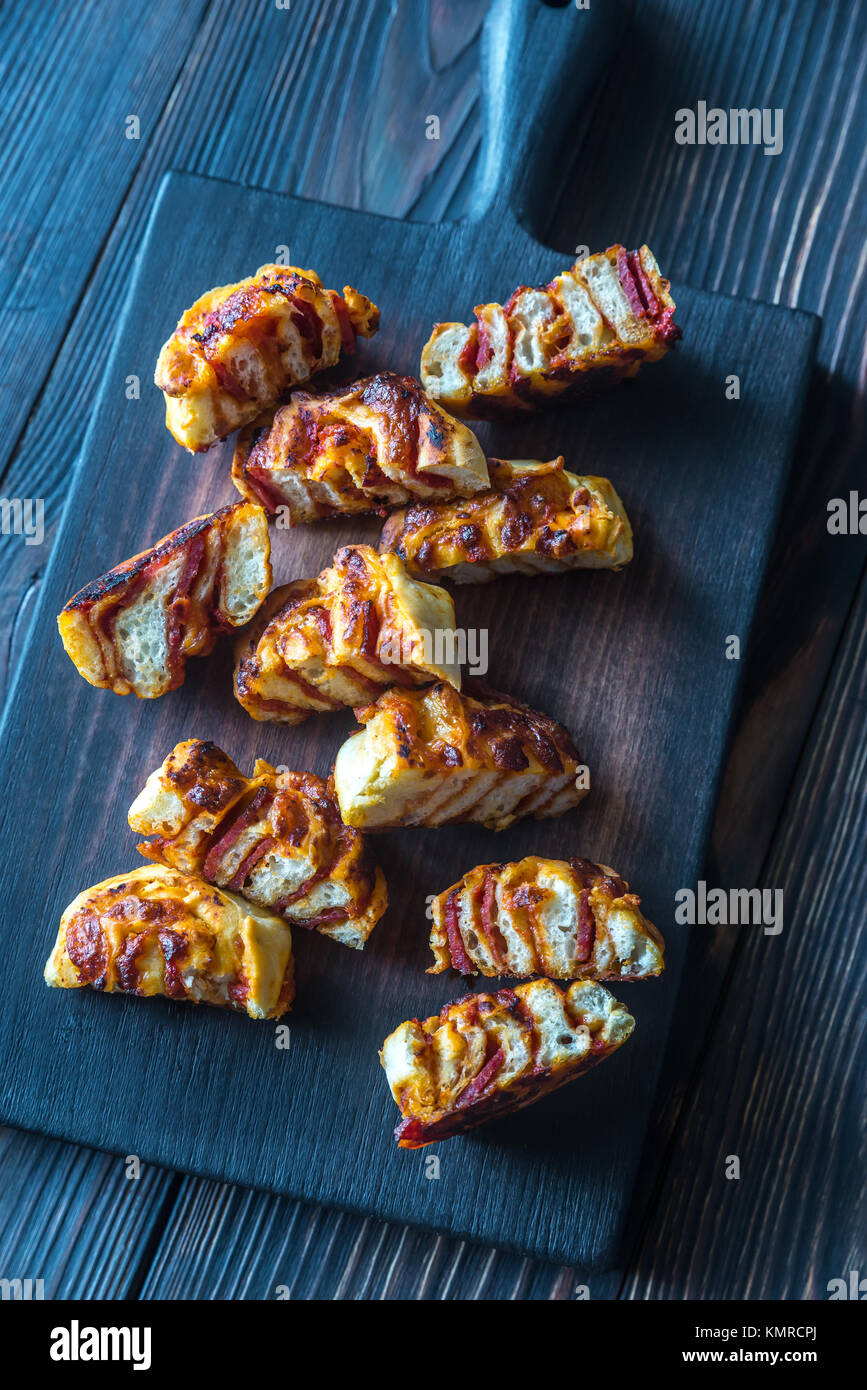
x: 590, y: 327
x: 133, y: 629
x: 276, y: 838
x: 240, y: 347
x: 536, y: 518
x: 434, y: 756
x: 364, y: 447
x: 321, y: 644
x: 567, y: 919
x: 488, y: 1054
x: 157, y: 931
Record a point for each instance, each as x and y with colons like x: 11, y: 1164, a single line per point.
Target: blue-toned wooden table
x: 329, y: 98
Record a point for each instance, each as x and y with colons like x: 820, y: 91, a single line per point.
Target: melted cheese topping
x: 157, y: 931
x: 565, y: 919
x: 276, y: 838
x: 239, y: 347
x: 377, y: 442
x: 428, y: 757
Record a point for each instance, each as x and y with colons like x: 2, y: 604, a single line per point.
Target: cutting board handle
x: 539, y: 63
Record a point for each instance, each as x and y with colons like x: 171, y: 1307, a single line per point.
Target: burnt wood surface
x: 784, y: 229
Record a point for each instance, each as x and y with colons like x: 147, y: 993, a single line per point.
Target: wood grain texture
x: 580, y: 653
x: 707, y: 212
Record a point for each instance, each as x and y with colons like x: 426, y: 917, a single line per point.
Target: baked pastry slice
x: 488, y: 1054
x: 590, y: 327
x: 433, y: 756
x: 536, y: 518
x: 240, y: 347
x: 321, y: 644
x: 133, y: 629
x: 373, y: 444
x: 564, y: 918
x: 157, y: 931
x: 276, y: 838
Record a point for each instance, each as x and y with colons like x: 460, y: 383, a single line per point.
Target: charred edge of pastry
x: 239, y: 347
x: 383, y: 438
x: 205, y: 578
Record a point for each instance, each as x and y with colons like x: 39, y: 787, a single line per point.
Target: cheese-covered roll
x: 276, y: 838
x: 564, y: 918
x: 536, y: 518
x: 433, y: 756
x: 359, y: 448
x: 157, y: 931
x: 321, y: 644
x: 239, y: 347
x: 488, y: 1054
x: 592, y: 326
x: 133, y: 629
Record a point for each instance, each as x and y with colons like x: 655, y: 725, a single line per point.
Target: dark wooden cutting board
x: 634, y: 664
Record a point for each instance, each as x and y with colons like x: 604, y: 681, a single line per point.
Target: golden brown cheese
x: 276, y: 838
x: 567, y: 919
x: 486, y: 1055
x: 157, y: 931
x: 373, y: 444
x: 240, y: 347
x: 434, y: 756
x: 590, y: 327
x: 133, y: 629
x: 536, y: 518
x: 322, y: 644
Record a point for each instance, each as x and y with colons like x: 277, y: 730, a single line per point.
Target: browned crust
x: 119, y: 923
x: 413, y: 1133
x: 482, y: 1098
x: 596, y: 889
x: 494, y: 728
x: 564, y: 378
x: 129, y: 570
x: 546, y: 511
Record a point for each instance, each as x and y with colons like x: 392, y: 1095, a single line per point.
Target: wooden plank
x: 269, y: 116
x: 785, y: 671
x: 786, y: 229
